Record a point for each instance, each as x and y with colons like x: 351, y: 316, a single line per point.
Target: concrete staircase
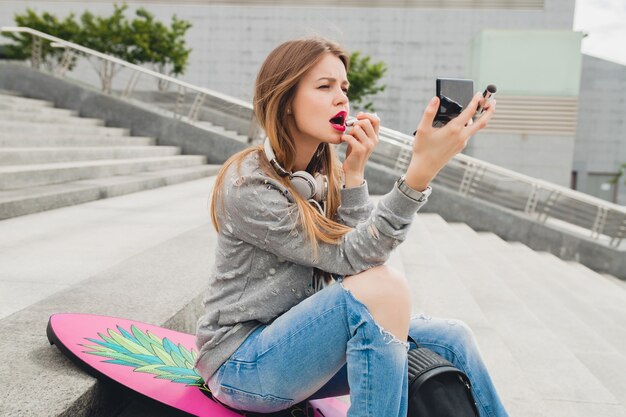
x: 52, y: 158
x: 552, y: 333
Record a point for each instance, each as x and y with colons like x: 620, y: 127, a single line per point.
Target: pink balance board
x: 155, y: 363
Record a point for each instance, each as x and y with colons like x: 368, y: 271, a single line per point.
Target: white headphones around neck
x: 308, y: 186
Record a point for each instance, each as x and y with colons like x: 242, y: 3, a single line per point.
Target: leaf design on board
x: 147, y: 353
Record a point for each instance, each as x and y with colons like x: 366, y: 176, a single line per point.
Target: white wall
x: 418, y: 45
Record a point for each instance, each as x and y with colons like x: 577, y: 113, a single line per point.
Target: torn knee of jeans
x: 388, y: 337
x: 422, y: 316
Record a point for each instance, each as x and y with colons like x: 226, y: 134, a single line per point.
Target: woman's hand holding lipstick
x: 361, y: 140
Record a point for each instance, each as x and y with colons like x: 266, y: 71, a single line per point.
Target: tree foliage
x: 47, y: 23
x: 621, y: 172
x: 143, y: 40
x: 363, y: 77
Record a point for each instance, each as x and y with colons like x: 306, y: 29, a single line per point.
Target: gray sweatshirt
x: 263, y: 260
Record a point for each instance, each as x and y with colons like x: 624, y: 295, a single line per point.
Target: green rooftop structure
x: 527, y: 62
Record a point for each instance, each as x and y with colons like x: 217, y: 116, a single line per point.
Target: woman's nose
x: 341, y: 97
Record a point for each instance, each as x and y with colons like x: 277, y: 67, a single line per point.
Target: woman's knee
x: 460, y: 331
x: 386, y: 294
x: 451, y: 332
x: 379, y: 283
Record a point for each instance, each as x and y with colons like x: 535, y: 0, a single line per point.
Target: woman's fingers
x: 371, y: 120
x: 364, y: 131
x: 426, y: 124
x: 362, y: 138
x: 352, y: 142
x: 467, y: 114
x: 481, y: 122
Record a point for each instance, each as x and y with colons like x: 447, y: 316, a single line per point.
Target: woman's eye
x: 345, y: 90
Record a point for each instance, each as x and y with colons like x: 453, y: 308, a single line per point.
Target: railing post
x: 108, y: 69
x: 131, y: 84
x: 403, y: 159
x: 66, y: 62
x: 468, y: 177
x: 533, y: 198
x: 554, y: 195
x: 180, y: 99
x: 35, y: 52
x: 598, y: 224
x: 195, y: 107
x: 621, y: 230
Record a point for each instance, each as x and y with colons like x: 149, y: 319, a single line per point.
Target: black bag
x: 436, y: 387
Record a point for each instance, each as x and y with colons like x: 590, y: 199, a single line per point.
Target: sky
x: 605, y: 23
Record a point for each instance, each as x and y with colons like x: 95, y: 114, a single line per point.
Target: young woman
x: 292, y: 220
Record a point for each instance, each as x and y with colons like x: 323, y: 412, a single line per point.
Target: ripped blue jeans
x: 330, y: 345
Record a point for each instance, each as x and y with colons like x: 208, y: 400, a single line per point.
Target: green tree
x: 109, y: 35
x: 143, y: 40
x: 159, y: 45
x: 363, y: 77
x: 620, y: 173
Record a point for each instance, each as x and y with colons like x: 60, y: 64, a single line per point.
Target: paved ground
x: 46, y: 252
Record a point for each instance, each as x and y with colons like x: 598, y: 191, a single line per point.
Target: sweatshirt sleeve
x: 259, y: 213
x: 356, y: 205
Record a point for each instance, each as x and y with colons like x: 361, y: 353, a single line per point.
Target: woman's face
x: 320, y: 106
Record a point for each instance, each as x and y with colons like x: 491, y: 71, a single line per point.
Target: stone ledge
x: 37, y: 380
x: 508, y: 224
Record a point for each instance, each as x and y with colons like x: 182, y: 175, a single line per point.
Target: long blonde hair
x: 275, y: 88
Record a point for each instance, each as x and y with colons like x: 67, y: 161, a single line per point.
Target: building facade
x: 419, y: 40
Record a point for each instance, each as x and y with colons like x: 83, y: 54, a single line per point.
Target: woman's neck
x: 305, y: 151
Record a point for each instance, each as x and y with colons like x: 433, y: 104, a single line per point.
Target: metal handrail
x: 404, y: 141
x: 249, y: 127
x: 123, y: 63
x: 468, y: 180
x: 556, y: 205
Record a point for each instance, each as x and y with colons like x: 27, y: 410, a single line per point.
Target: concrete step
x: 39, y: 252
x: 438, y: 289
x: 9, y: 127
x: 163, y: 285
x: 42, y: 110
x: 569, y: 388
x: 15, y: 177
x: 594, y: 290
x: 4, y: 92
x: 222, y: 131
x: 567, y: 316
x: 428, y: 269
x: 24, y: 101
x: 573, y: 277
x: 595, y: 338
x: 30, y: 200
x: 17, y: 116
x: 41, y: 155
x: 579, y: 321
x: 619, y: 282
x: 595, y: 278
x: 22, y: 140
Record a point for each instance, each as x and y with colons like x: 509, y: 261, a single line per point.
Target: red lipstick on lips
x: 338, y: 121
